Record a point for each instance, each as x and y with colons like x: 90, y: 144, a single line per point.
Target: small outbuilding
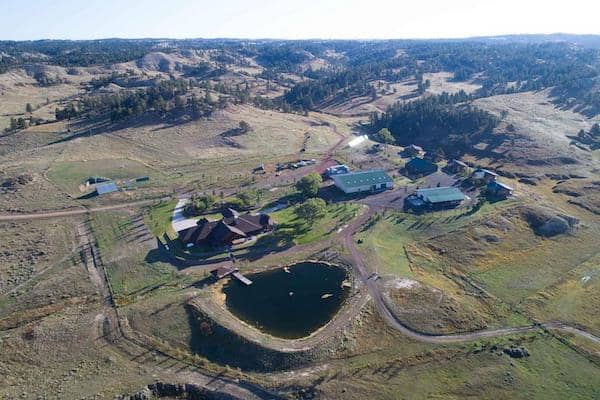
x: 434, y: 199
x: 363, y: 181
x: 337, y: 170
x: 433, y: 156
x: 456, y: 167
x: 499, y: 190
x: 483, y: 176
x: 420, y: 167
x: 412, y: 151
x: 106, y: 187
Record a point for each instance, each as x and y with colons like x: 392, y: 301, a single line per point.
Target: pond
x: 290, y: 302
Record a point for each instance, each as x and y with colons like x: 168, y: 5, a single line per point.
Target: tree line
x: 442, y: 120
x: 168, y: 97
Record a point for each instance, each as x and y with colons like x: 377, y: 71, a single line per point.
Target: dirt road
x: 77, y: 211
x: 383, y: 309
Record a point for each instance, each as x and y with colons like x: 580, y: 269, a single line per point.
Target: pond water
x: 289, y: 302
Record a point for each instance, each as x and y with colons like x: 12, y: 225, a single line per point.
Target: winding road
x: 384, y: 311
x: 109, y: 320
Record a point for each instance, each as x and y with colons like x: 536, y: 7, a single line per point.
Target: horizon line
x: 475, y: 37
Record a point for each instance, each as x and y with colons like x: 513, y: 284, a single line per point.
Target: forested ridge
x: 344, y: 70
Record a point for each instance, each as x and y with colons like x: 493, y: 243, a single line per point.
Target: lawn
x: 158, y: 218
x: 296, y: 230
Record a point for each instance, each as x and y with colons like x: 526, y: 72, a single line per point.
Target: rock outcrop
x: 547, y: 223
x: 177, y: 390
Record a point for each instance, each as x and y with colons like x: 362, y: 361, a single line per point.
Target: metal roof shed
x: 441, y: 195
x: 363, y: 181
x: 108, y: 187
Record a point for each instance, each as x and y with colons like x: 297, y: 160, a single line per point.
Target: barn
x: 434, y: 199
x: 363, y: 181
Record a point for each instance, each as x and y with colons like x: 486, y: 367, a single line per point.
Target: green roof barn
x: 434, y: 198
x: 363, y: 181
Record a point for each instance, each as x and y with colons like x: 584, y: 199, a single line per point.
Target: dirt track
x: 362, y: 272
x: 76, y: 211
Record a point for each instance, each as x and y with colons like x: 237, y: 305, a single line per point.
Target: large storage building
x: 363, y: 181
x: 434, y: 198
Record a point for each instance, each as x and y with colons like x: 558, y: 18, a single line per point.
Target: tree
x: 309, y: 185
x: 311, y: 210
x: 179, y: 103
x: 249, y: 198
x: 29, y: 108
x: 384, y: 136
x: 595, y: 130
x: 245, y: 127
x: 199, y: 205
x: 17, y: 124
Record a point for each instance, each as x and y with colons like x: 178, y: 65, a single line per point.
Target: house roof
x: 198, y: 232
x: 496, y: 184
x: 458, y: 162
x: 483, y: 172
x: 441, y: 194
x: 419, y: 164
x: 221, y: 231
x: 362, y: 178
x: 251, y: 223
x: 107, y: 187
x: 230, y: 213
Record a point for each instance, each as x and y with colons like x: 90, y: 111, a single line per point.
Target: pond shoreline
x: 291, y: 301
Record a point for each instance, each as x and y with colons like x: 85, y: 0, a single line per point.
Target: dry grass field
x: 539, y: 141
x: 444, y: 82
x: 446, y: 272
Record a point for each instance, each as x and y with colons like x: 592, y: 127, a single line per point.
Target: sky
x: 299, y: 19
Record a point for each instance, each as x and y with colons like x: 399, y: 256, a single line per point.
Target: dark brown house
x: 232, y: 229
x: 420, y: 167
